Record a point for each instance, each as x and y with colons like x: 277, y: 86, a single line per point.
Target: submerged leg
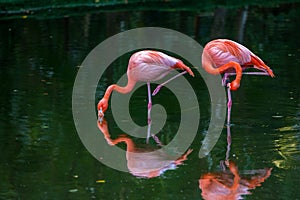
x: 224, y: 82
x: 164, y: 83
x: 228, y: 143
x: 148, y: 132
x: 225, y: 163
x: 149, y: 112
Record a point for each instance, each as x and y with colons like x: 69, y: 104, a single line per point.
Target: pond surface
x: 42, y: 156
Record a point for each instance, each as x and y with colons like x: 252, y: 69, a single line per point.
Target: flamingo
x: 145, y: 66
x: 231, y: 58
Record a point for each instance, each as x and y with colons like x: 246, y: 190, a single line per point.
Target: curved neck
x: 123, y: 90
x: 129, y: 143
x: 104, y: 129
x: 234, y: 65
x: 208, y: 65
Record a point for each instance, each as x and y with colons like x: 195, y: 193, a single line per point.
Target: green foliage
x: 13, y: 8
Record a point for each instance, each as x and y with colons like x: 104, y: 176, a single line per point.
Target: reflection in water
x: 148, y: 161
x: 231, y: 183
x: 38, y: 138
x: 287, y: 143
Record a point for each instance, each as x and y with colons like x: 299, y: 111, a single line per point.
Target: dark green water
x: 42, y: 156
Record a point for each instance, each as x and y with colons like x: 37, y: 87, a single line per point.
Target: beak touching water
x: 100, y: 115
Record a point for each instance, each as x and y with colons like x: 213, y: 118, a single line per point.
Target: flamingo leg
x: 229, y: 104
x: 149, y: 118
x: 225, y: 80
x: 224, y: 163
x: 247, y: 73
x: 228, y: 143
x: 149, y: 112
x: 167, y: 81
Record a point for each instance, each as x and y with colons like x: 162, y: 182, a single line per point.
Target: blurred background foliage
x: 58, y: 8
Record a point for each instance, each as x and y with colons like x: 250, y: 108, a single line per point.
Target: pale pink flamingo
x: 231, y: 58
x: 145, y: 66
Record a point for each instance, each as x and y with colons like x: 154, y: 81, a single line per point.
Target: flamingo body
x: 147, y: 66
x: 223, y: 51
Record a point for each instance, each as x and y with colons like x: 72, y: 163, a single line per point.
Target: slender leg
x: 224, y: 81
x: 149, y: 118
x: 164, y: 83
x: 226, y: 75
x: 225, y: 78
x: 224, y: 163
x: 149, y: 112
x: 229, y: 104
x: 248, y: 73
x: 148, y: 132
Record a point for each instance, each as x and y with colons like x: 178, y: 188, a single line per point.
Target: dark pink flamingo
x: 231, y: 58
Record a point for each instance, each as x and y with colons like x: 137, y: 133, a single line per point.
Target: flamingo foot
x: 156, y: 139
x: 156, y: 90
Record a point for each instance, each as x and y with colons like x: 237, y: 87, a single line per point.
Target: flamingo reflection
x: 146, y: 162
x: 231, y: 184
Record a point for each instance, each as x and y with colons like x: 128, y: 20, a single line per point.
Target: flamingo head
x: 102, y: 107
x: 234, y: 85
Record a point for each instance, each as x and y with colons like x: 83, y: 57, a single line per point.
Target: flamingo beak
x: 100, y: 115
x: 100, y: 119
